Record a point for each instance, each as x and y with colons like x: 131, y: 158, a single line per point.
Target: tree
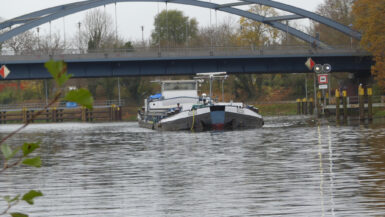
x: 97, y: 32
x: 22, y: 43
x: 339, y: 11
x: 256, y: 33
x: 173, y: 28
x: 51, y: 44
x: 370, y: 21
x: 221, y: 35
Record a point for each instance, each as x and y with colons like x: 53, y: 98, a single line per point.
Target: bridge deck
x: 75, y: 55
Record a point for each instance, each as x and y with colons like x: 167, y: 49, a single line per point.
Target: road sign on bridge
x: 310, y: 63
x: 4, y: 71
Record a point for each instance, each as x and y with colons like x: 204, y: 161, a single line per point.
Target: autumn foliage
x: 370, y: 21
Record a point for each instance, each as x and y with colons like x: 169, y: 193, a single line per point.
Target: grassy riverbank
x: 277, y: 109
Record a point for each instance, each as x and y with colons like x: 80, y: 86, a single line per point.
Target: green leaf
x: 28, y: 197
x: 81, y: 96
x: 8, y: 152
x: 33, y: 162
x: 9, y: 200
x: 58, y: 70
x: 28, y: 148
x: 17, y: 214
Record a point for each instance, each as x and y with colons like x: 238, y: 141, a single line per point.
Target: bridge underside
x: 190, y: 66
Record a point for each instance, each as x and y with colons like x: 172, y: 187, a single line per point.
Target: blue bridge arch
x: 34, y: 19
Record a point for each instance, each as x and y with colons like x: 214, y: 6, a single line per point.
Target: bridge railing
x: 41, y: 105
x: 156, y: 52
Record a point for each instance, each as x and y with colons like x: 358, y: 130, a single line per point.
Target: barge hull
x: 204, y: 122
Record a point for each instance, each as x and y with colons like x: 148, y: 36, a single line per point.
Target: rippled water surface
x: 290, y: 167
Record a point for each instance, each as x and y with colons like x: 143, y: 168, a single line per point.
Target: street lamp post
x: 287, y: 32
x: 79, y: 25
x: 186, y: 37
x: 38, y: 37
x: 142, y: 27
x: 351, y: 38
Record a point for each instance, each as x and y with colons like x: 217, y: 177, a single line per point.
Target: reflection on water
x: 290, y: 167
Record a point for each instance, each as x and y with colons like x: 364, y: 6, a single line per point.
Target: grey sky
x: 131, y: 16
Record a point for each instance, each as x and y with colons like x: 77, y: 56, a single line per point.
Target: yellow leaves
x: 256, y: 33
x: 370, y: 21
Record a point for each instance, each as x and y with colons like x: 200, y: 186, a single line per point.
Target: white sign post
x: 321, y: 71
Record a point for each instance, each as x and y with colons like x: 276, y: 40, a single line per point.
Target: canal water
x: 290, y: 167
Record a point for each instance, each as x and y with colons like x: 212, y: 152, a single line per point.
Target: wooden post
x: 30, y: 119
x: 370, y: 102
x: 83, y: 114
x: 47, y: 115
x: 361, y: 93
x: 90, y: 115
x: 304, y: 106
x: 24, y: 115
x: 112, y: 112
x: 311, y: 106
x: 117, y: 113
x: 298, y: 106
x: 120, y: 113
x: 61, y: 115
x: 337, y: 95
x: 86, y: 114
x: 345, y: 104
x: 54, y: 114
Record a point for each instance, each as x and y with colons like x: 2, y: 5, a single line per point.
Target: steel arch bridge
x: 28, y: 21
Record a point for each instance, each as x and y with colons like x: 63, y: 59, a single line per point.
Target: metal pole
x: 159, y: 31
x: 46, y: 91
x: 79, y: 25
x: 50, y: 38
x: 142, y: 35
x: 50, y: 33
x: 116, y: 25
x: 329, y: 86
x: 351, y: 38
x: 186, y: 38
x: 323, y: 107
x: 315, y: 95
x: 38, y: 37
x: 211, y: 84
x: 119, y: 90
x: 306, y: 85
x: 168, y: 43
x: 287, y: 32
x: 223, y: 94
x: 64, y: 32
x: 211, y: 35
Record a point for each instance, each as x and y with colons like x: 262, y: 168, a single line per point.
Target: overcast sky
x: 131, y: 16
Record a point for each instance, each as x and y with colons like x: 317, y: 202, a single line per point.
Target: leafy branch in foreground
x: 13, y: 157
